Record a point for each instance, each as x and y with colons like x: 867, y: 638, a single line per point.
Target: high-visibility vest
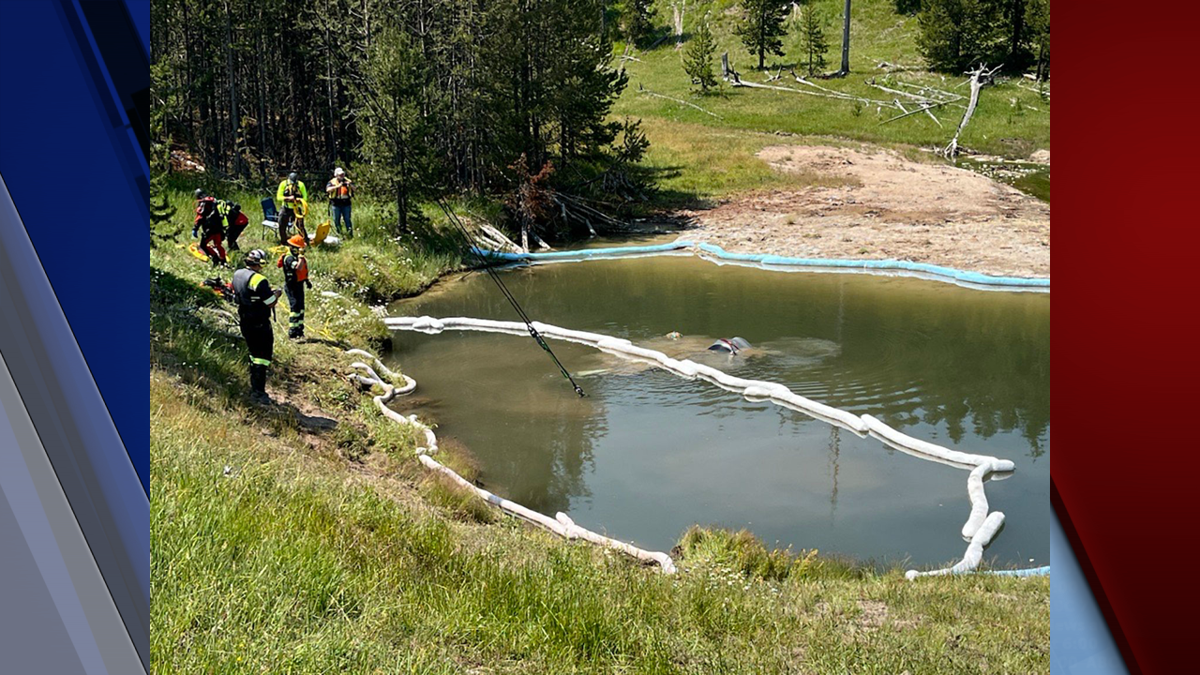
x: 287, y: 188
x: 253, y: 305
x: 297, y: 271
x: 341, y: 189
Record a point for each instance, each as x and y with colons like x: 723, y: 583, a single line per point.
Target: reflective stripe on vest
x: 252, y: 285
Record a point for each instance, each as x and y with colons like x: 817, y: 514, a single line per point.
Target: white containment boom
x: 979, y: 528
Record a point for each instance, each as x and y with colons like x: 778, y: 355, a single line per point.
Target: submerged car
x: 730, y: 346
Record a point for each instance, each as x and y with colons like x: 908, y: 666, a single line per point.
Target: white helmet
x: 338, y: 172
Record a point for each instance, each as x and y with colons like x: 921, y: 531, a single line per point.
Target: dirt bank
x: 886, y: 206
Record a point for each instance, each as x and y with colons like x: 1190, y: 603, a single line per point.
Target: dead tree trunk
x: 678, y: 10
x: 727, y: 72
x: 845, y: 42
x: 980, y: 77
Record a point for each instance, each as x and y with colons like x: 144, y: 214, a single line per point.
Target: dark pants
x: 235, y: 231
x: 286, y: 216
x: 341, y: 213
x: 295, y: 296
x: 261, y: 342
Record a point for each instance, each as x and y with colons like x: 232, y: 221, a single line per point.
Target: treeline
x: 416, y: 96
x: 957, y: 34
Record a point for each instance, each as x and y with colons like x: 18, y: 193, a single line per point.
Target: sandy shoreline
x: 884, y: 206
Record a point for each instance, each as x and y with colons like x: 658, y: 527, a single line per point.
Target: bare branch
x: 679, y: 101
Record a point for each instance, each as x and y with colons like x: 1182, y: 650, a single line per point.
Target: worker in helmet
x: 293, y: 198
x: 210, y: 222
x: 295, y: 278
x: 256, y: 301
x: 340, y: 190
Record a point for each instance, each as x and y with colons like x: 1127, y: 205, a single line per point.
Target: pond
x: 647, y: 453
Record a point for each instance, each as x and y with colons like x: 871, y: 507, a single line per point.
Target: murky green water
x: 647, y: 454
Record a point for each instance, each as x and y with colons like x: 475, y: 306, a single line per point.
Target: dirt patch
x: 880, y: 205
x: 872, y: 614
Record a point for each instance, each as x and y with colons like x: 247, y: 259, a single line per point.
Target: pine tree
x: 762, y: 27
x: 698, y: 59
x: 390, y: 93
x: 1037, y: 25
x: 639, y: 20
x: 957, y: 34
x: 812, y: 40
x: 161, y: 211
x: 417, y: 94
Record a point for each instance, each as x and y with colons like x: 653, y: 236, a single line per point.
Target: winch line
x: 487, y: 267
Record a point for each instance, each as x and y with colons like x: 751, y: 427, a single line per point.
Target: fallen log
x: 897, y: 92
x: 496, y: 234
x: 940, y: 92
x: 840, y: 94
x: 1045, y: 93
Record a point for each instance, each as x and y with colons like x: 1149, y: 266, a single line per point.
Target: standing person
x: 209, y: 221
x: 295, y: 278
x: 255, y: 301
x: 340, y: 190
x: 293, y: 198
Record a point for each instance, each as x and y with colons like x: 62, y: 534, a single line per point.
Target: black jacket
x: 254, y: 296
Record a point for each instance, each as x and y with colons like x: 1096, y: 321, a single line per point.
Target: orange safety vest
x: 301, y: 270
x: 341, y: 189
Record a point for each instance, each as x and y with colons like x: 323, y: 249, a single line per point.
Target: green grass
x: 695, y: 165
x: 704, y: 157
x: 290, y: 562
x: 284, y: 547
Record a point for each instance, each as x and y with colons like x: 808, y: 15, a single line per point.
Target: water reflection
x: 647, y: 454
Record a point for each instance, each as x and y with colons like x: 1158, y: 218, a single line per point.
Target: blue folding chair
x: 270, y: 215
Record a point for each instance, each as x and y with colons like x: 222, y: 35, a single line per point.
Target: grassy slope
x: 330, y: 550
x: 281, y: 547
x: 704, y: 157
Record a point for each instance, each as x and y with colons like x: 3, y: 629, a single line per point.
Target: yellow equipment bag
x: 322, y: 232
x: 194, y: 248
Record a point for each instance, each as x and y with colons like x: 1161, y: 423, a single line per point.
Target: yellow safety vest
x: 286, y: 189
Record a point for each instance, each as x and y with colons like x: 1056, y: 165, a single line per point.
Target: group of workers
x: 256, y: 302
x: 293, y: 195
x: 218, y: 219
